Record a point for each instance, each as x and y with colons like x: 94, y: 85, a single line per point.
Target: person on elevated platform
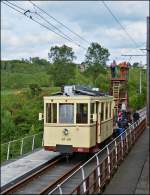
x: 113, y: 69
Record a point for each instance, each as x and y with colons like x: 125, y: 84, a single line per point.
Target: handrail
x: 9, y: 150
x: 131, y: 127
x: 22, y: 138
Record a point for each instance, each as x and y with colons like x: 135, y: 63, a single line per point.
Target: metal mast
x: 148, y: 69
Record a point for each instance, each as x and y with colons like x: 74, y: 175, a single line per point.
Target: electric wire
x: 67, y: 37
x: 82, y: 38
x: 13, y: 6
x: 123, y: 28
x: 56, y: 28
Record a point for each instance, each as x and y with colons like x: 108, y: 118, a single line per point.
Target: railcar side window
x: 110, y: 110
x: 66, y: 113
x: 106, y: 111
x: 82, y: 113
x: 51, y: 113
x: 92, y: 112
x: 102, y: 111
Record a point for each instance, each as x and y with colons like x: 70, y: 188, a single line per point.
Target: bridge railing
x: 97, y: 171
x: 13, y: 149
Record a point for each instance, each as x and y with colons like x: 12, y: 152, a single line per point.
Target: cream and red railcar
x: 77, y: 120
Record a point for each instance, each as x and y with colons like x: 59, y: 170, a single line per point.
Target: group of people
x: 123, y: 69
x: 123, y: 121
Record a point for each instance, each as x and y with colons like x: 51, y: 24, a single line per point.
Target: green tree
x: 135, y: 64
x: 62, y: 73
x: 62, y: 53
x: 96, y: 54
x: 37, y: 60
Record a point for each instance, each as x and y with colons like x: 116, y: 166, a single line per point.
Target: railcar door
x: 98, y: 126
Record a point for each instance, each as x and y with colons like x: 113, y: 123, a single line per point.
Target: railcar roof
x: 79, y: 92
x: 77, y: 97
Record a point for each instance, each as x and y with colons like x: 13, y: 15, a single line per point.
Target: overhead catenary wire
x: 13, y: 4
x: 122, y: 27
x: 55, y: 28
x: 62, y: 24
x: 12, y: 7
x: 31, y: 17
x: 16, y: 8
x: 28, y: 11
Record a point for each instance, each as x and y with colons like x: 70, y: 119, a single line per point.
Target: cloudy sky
x: 23, y: 38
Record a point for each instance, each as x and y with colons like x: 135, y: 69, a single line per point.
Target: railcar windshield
x: 51, y: 113
x: 82, y: 113
x: 66, y: 113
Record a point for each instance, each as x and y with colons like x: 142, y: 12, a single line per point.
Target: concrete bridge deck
x: 14, y: 170
x: 132, y: 177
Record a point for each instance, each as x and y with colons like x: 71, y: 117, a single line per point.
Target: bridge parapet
x: 98, y: 170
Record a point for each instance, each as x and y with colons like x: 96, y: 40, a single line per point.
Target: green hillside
x: 23, y: 85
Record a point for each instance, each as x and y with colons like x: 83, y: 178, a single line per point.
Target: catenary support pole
x: 148, y: 69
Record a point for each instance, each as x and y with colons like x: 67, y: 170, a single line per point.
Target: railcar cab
x: 77, y: 119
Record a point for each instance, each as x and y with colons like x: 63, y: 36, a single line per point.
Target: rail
x: 105, y: 163
x: 48, y: 175
x: 19, y: 147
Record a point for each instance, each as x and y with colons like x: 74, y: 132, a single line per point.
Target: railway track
x: 46, y: 178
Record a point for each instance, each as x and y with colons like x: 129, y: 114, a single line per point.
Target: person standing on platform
x: 136, y: 116
x: 124, y: 111
x: 119, y: 115
x: 113, y: 69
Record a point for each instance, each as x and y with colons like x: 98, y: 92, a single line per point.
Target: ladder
x: 116, y: 88
x: 115, y: 93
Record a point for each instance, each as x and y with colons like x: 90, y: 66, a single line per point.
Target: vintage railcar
x: 77, y: 119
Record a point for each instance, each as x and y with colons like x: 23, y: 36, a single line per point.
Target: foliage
x: 35, y: 89
x: 63, y: 54
x: 62, y: 73
x: 96, y: 54
x: 136, y: 64
x: 7, y: 125
x: 137, y: 100
x: 37, y: 60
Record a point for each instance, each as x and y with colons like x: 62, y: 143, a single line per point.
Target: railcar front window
x: 66, y: 113
x: 51, y: 113
x: 82, y: 113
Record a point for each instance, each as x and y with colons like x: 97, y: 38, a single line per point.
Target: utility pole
x: 148, y: 69
x: 140, y: 77
x: 140, y: 82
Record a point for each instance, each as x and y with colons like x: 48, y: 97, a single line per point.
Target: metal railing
x: 19, y: 147
x: 97, y: 171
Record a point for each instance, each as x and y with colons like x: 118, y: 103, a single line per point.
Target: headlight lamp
x: 65, y: 131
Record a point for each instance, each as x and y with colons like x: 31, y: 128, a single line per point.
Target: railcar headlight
x: 65, y: 131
